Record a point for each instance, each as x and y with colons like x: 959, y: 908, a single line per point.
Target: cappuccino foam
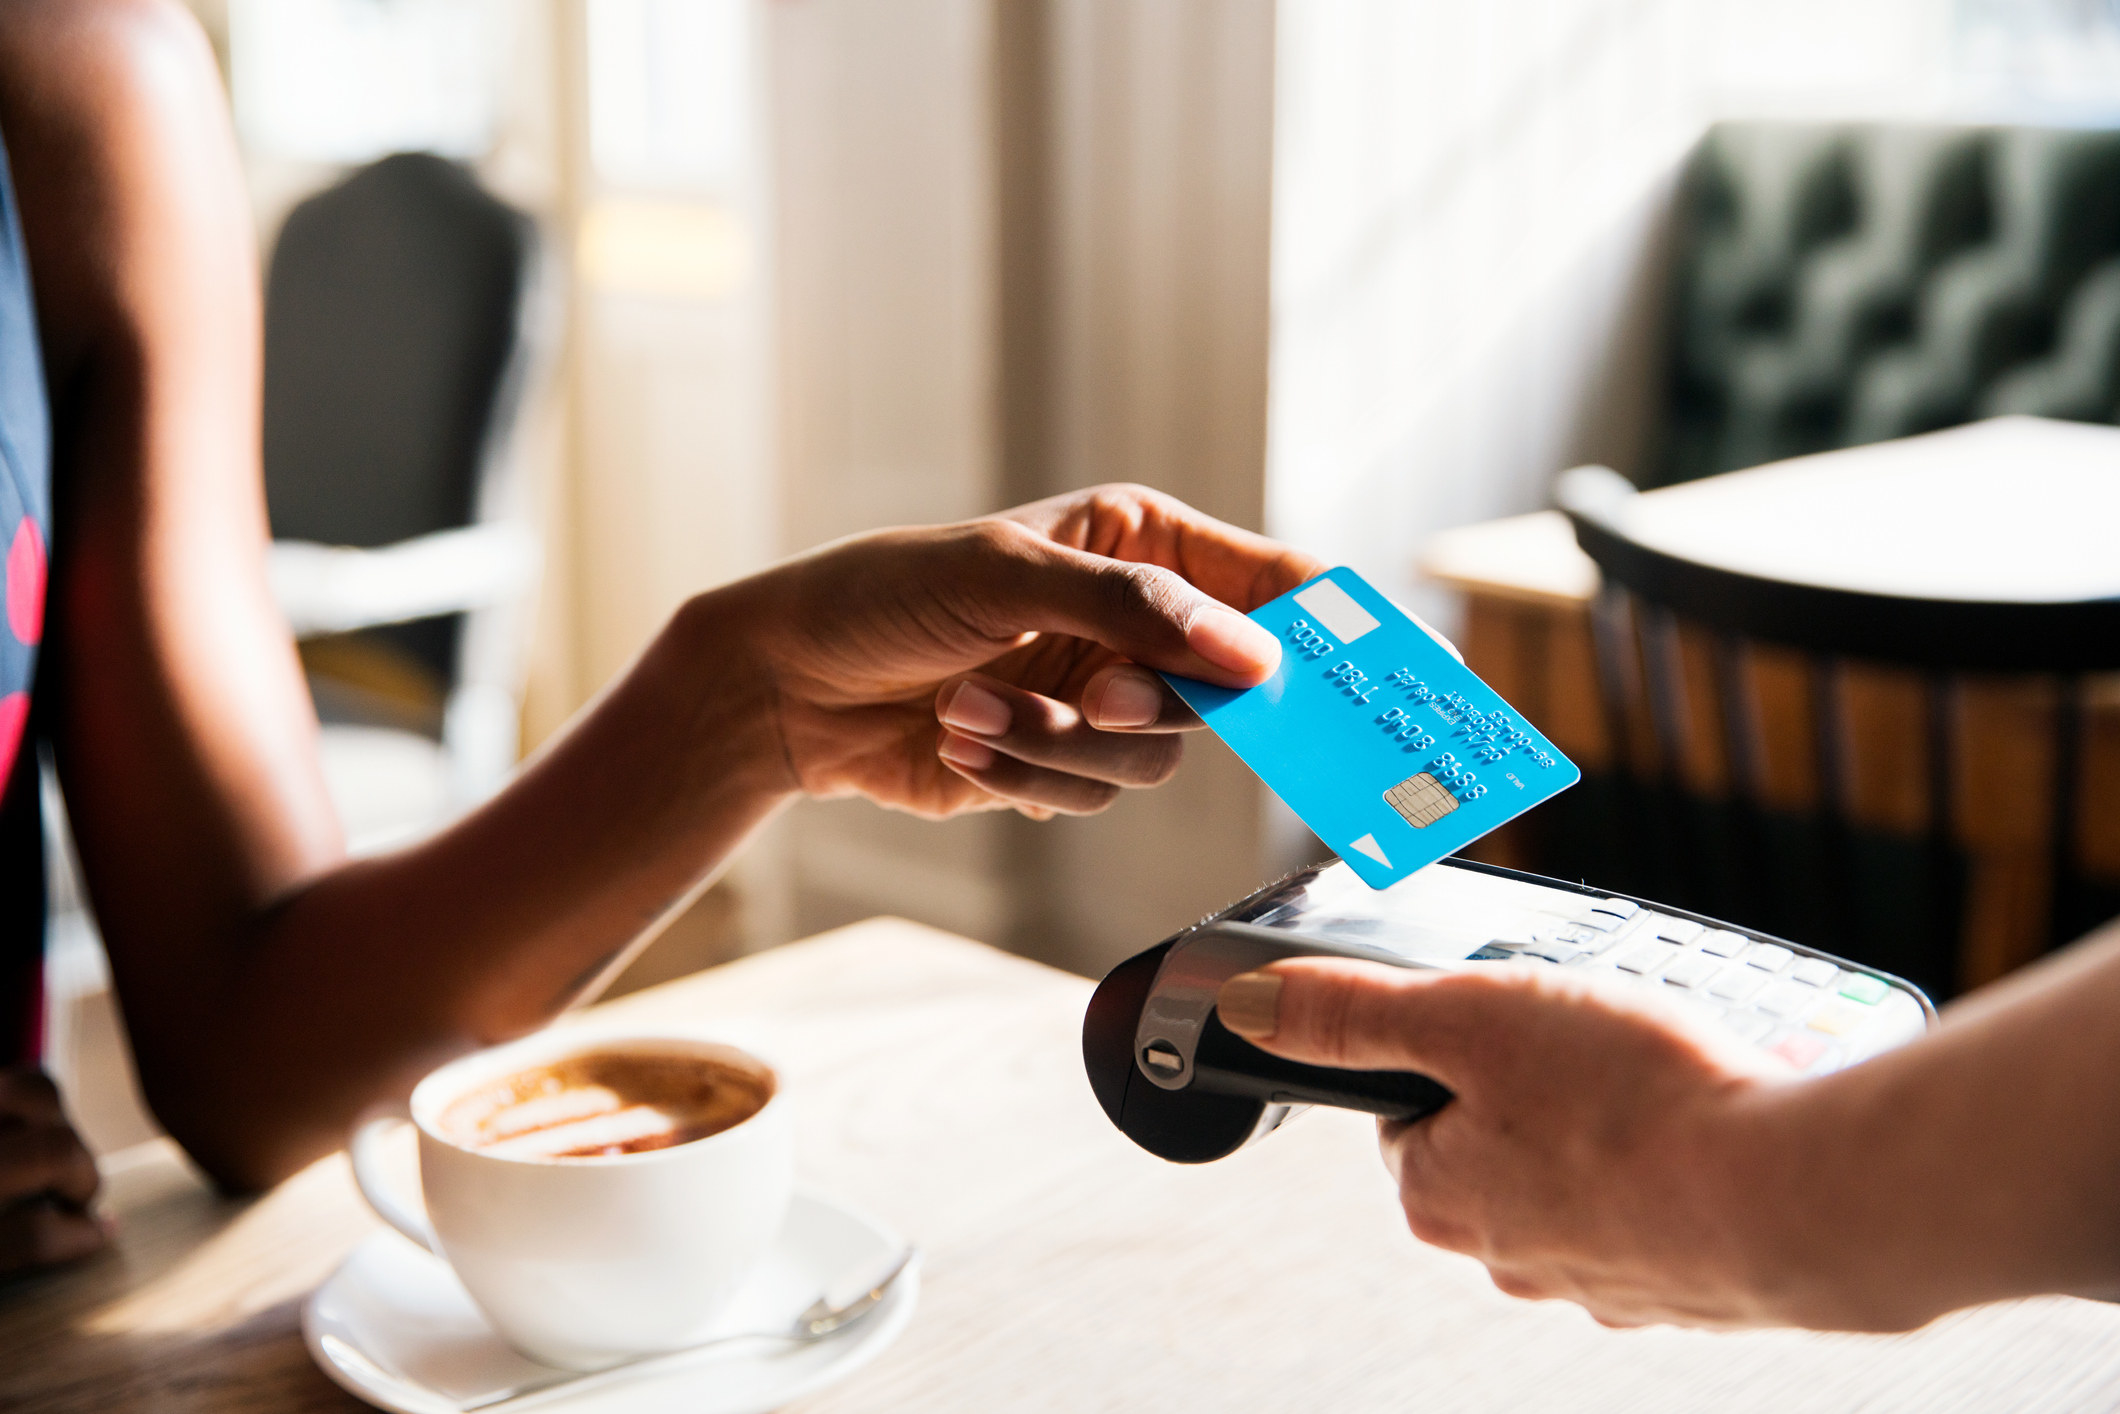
x: 604, y: 1102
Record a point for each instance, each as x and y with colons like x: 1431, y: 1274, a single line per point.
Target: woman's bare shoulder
x: 86, y: 53
x: 114, y: 118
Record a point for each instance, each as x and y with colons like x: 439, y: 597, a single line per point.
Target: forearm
x: 363, y: 977
x: 1975, y: 1165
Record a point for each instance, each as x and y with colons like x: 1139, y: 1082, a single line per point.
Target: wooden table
x: 940, y: 1085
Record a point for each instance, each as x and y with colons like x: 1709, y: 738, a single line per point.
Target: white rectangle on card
x: 1335, y: 608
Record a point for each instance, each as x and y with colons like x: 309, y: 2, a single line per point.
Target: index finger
x: 1138, y: 523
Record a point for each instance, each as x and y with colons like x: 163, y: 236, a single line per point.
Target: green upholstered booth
x: 1835, y: 284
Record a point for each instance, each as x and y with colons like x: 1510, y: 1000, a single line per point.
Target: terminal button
x: 1162, y: 1057
x: 1799, y: 1050
x: 1674, y: 930
x: 1648, y: 958
x: 1838, y: 1017
x: 1738, y: 983
x: 1749, y: 1025
x: 1724, y: 943
x: 1816, y: 971
x: 1767, y: 957
x: 1867, y: 990
x: 1690, y: 970
x: 1785, y: 999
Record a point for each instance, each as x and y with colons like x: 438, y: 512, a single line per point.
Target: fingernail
x: 1130, y: 700
x: 963, y: 751
x: 1250, y: 1004
x: 1225, y: 637
x: 973, y: 709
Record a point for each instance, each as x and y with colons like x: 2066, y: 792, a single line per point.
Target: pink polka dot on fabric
x: 14, y: 713
x: 25, y: 582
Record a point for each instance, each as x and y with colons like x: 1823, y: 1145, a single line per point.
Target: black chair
x: 398, y: 340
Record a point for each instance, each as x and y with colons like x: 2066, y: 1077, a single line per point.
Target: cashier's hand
x: 46, y: 1178
x: 1003, y: 663
x: 1596, y: 1148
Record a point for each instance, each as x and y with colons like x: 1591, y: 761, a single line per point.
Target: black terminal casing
x: 1184, y: 1087
x: 1232, y: 1092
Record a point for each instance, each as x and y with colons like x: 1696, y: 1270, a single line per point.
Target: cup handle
x: 369, y: 1173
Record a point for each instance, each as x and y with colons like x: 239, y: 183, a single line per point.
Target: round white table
x: 1989, y: 547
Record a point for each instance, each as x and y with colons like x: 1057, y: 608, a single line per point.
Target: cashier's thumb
x: 1349, y: 1015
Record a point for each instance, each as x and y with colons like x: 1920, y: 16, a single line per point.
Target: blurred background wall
x: 1347, y: 270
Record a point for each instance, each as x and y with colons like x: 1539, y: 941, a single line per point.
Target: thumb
x: 1148, y: 613
x: 1351, y: 1015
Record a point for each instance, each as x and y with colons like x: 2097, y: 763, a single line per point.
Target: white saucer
x: 394, y: 1327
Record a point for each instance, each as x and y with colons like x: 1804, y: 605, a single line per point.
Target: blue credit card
x: 1388, y: 747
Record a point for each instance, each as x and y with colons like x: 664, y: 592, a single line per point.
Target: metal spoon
x: 820, y: 1319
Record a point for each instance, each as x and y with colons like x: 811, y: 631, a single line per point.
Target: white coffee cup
x: 583, y: 1262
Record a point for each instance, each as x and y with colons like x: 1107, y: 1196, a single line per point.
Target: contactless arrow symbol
x: 1369, y: 846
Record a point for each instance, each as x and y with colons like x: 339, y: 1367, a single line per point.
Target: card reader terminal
x: 1183, y: 1086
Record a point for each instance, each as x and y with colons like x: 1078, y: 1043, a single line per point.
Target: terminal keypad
x: 1807, y: 1010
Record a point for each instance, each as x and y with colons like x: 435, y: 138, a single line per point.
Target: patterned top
x: 25, y: 538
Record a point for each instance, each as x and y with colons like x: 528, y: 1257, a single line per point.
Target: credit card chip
x: 1421, y: 799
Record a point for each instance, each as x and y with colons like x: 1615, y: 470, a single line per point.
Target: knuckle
x: 24, y: 1089
x: 1519, y: 1285
x: 53, y: 1153
x: 1160, y: 759
x: 1372, y: 1010
x: 990, y: 550
x: 1481, y: 1004
x: 1490, y: 986
x: 53, y: 1147
x: 998, y: 536
x: 34, y: 1082
x: 1126, y: 501
x: 84, y: 1180
x: 1092, y: 797
x: 1432, y: 1227
x: 1142, y: 591
x: 1035, y: 720
x: 55, y: 1235
x: 1314, y: 1014
x: 44, y: 1237
x: 1128, y: 588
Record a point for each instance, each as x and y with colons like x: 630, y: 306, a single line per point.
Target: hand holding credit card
x: 1391, y: 750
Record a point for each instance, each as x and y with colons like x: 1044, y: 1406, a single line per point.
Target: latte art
x: 605, y: 1102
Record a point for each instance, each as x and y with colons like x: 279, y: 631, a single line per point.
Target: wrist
x: 718, y: 647
x: 823, y: 674
x: 1820, y: 1226
x: 1758, y: 1203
